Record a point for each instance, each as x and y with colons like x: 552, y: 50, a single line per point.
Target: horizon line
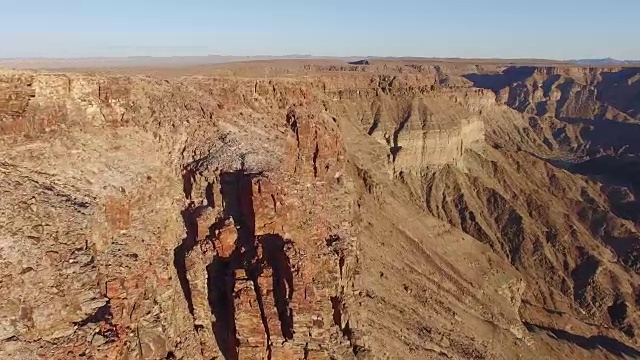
x: 304, y: 56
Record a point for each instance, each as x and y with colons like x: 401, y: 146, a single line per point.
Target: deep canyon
x: 396, y: 210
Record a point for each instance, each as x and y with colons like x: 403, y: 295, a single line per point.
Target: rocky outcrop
x: 114, y: 170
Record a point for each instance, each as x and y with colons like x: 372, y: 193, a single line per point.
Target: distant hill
x: 605, y: 61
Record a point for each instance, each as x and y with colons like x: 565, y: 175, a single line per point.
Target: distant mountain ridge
x: 605, y: 61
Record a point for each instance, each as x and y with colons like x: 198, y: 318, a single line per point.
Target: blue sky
x: 558, y: 29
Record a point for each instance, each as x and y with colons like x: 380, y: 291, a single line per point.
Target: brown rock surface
x: 326, y: 211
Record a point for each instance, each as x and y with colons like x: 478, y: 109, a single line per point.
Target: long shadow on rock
x: 611, y: 345
x: 273, y: 247
x: 237, y: 197
x: 621, y: 90
x: 181, y: 251
x: 606, y: 136
x: 179, y: 255
x: 620, y: 176
x: 501, y: 80
x: 220, y: 285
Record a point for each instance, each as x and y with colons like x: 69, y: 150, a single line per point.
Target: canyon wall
x: 401, y: 212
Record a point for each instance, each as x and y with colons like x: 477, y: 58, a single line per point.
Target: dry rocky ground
x: 265, y: 210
